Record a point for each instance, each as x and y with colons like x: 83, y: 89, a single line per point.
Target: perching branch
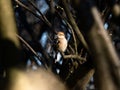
x: 74, y: 57
x: 79, y: 58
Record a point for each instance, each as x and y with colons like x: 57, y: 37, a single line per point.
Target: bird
x: 61, y: 45
x: 61, y: 41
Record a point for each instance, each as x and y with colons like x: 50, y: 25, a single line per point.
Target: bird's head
x: 60, y: 35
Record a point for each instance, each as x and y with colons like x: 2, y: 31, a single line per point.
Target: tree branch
x: 43, y: 18
x: 105, y: 58
x: 32, y: 50
x: 9, y: 44
x: 74, y: 25
x: 73, y: 57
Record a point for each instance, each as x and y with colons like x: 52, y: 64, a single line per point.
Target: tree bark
x: 9, y: 44
x: 106, y: 61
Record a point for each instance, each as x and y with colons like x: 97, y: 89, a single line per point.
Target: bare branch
x: 32, y: 50
x: 43, y: 16
x: 51, y: 5
x: 28, y: 9
x: 74, y: 25
x: 9, y: 44
x: 81, y: 59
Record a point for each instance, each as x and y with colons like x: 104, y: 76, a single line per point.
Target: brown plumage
x: 62, y: 42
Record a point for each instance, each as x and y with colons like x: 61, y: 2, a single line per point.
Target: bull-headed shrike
x: 61, y: 45
x: 62, y: 41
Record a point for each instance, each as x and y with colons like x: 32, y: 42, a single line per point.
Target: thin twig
x: 28, y: 9
x: 51, y: 5
x: 72, y: 49
x: 32, y: 50
x: 72, y: 57
x: 43, y: 16
x: 73, y: 34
